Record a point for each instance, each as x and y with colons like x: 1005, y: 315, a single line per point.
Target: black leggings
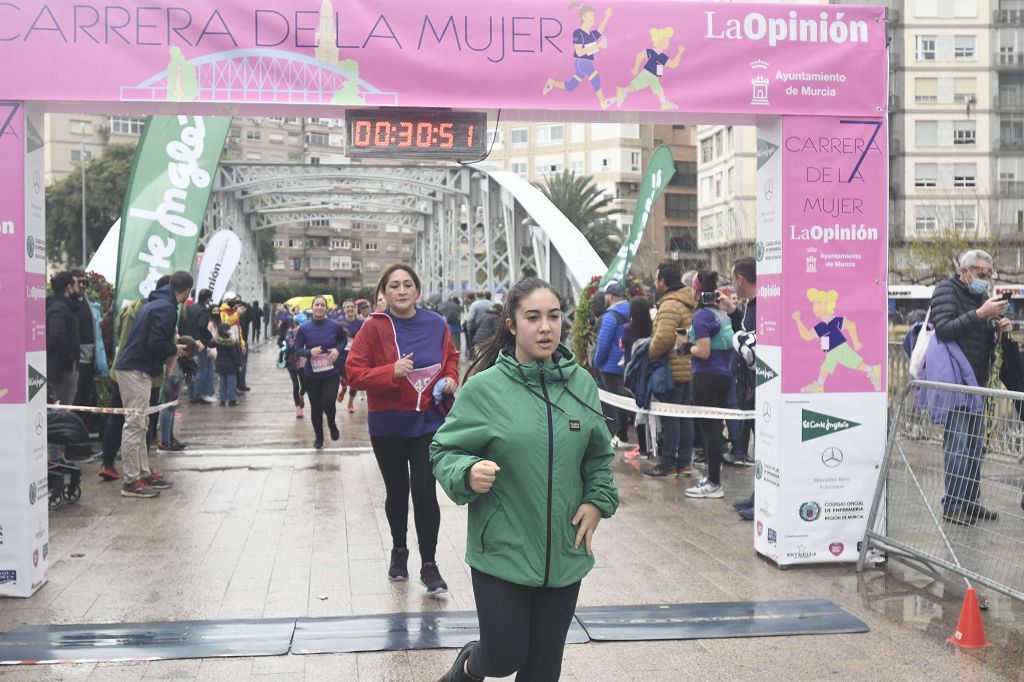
x: 322, y: 394
x: 298, y: 385
x: 402, y: 460
x: 712, y: 390
x: 521, y: 628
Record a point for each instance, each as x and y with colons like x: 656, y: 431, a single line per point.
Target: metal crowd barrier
x: 950, y: 495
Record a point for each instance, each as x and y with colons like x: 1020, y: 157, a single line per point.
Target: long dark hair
x: 487, y: 354
x: 640, y: 324
x: 708, y: 282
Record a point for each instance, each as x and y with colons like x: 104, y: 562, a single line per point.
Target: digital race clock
x: 423, y: 133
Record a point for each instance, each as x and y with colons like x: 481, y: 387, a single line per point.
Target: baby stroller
x: 65, y: 432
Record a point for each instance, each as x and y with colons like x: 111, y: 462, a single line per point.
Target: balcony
x: 1009, y: 61
x: 318, y: 231
x: 1010, y: 145
x: 1011, y: 188
x: 1008, y: 102
x: 1008, y: 17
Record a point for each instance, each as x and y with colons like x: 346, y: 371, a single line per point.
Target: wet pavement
x: 259, y: 525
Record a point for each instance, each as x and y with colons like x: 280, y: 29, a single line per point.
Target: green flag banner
x: 169, y: 188
x: 660, y: 170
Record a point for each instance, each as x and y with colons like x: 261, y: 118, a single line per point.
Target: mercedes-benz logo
x: 832, y: 457
x: 39, y: 424
x: 766, y: 412
x: 36, y: 182
x: 769, y: 190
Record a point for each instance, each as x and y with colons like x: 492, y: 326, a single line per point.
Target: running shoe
x: 335, y: 433
x: 657, y: 471
x: 636, y: 453
x: 813, y: 387
x: 351, y: 406
x: 744, y: 503
x: 109, y: 474
x: 298, y: 413
x: 746, y: 514
x: 342, y: 392
x: 705, y: 489
x: 169, y: 447
x: 457, y: 673
x: 430, y: 578
x: 398, y: 571
x: 232, y: 403
x: 138, y: 489
x: 548, y: 86
x: 157, y: 481
x: 318, y: 443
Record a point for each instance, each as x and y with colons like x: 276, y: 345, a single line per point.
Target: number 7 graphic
x: 878, y: 127
x: 13, y: 106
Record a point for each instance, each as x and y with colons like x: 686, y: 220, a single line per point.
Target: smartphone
x: 1007, y: 295
x: 709, y: 297
x: 682, y: 330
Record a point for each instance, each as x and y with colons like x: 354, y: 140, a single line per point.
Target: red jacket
x: 371, y: 365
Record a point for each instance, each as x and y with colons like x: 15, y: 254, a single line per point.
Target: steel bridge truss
x: 471, y: 232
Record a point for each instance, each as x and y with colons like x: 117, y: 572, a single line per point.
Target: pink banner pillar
x: 822, y: 204
x: 24, y: 532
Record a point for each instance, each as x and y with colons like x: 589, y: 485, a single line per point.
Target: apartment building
x: 726, y: 195
x: 615, y: 155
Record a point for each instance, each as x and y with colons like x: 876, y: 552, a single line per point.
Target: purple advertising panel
x: 639, y: 56
x: 834, y: 251
x: 13, y: 245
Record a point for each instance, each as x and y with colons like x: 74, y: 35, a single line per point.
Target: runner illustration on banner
x: 586, y: 41
x: 654, y: 63
x: 834, y: 344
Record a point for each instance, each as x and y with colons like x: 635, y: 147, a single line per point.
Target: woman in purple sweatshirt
x: 323, y: 342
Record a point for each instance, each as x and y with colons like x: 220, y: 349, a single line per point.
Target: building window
x: 576, y: 165
x: 926, y: 133
x: 297, y: 264
x: 679, y: 206
x: 705, y: 189
x: 320, y: 222
x: 276, y: 138
x: 253, y: 156
x: 926, y: 90
x: 718, y: 185
x: 965, y: 217
x: 718, y: 143
x: 728, y: 139
x: 926, y: 174
x: 520, y: 137
x: 925, y: 218
x: 707, y: 150
x: 128, y: 125
x: 252, y: 135
x: 925, y: 48
x: 278, y: 243
x: 77, y: 155
x: 314, y: 161
x: 548, y: 135
x: 686, y: 174
x: 730, y: 180
x: 964, y: 132
x: 546, y: 168
x: 964, y: 90
x: 965, y: 174
x: 634, y: 161
x: 372, y: 246
x: 317, y: 138
x: 963, y: 48
x: 519, y: 168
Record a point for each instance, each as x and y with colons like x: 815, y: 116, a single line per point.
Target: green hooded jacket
x: 543, y: 426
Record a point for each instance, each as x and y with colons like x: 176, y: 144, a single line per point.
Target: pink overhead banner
x: 636, y: 56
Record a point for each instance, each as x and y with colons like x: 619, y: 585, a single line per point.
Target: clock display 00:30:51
x: 409, y: 134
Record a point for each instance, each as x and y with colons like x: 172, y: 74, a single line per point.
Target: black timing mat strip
x: 146, y: 641
x: 406, y: 631
x: 395, y: 632
x: 716, y: 619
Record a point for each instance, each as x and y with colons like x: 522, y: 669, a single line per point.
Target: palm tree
x: 587, y: 207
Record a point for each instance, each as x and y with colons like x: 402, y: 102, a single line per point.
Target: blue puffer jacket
x: 613, y: 323
x: 151, y: 340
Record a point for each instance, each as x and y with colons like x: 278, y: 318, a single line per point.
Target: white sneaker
x: 616, y: 443
x: 705, y: 489
x: 208, y: 399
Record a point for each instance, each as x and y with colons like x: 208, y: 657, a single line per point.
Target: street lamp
x: 82, y: 160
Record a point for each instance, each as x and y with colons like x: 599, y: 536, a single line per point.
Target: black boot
x: 457, y: 673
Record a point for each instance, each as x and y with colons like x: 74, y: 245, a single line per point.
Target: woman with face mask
x: 404, y: 358
x: 527, y: 448
x: 321, y: 341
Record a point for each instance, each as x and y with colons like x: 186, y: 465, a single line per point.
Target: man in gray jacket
x: 962, y: 311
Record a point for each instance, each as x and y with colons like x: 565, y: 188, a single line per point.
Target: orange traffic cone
x: 970, y: 634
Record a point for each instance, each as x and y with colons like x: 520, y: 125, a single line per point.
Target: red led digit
x: 424, y: 133
x: 445, y: 132
x: 361, y: 134
x: 382, y: 134
x: 405, y: 136
x: 469, y: 136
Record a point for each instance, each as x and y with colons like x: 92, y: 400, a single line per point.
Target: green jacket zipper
x: 551, y: 465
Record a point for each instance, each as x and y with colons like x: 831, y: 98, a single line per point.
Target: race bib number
x: 421, y: 378
x: 320, y: 363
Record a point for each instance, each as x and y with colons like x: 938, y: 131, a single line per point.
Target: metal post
x: 82, y: 160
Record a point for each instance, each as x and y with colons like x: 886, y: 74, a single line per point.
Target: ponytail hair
x: 487, y: 353
x: 583, y: 9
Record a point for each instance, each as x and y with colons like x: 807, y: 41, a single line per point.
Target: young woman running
x: 526, y: 446
x: 399, y: 357
x: 321, y: 342
x: 352, y: 324
x: 295, y: 364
